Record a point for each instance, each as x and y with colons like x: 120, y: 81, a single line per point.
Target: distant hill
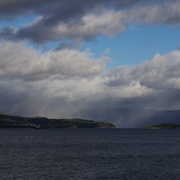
x: 163, y: 119
x: 9, y: 121
x: 163, y: 126
x: 157, y: 117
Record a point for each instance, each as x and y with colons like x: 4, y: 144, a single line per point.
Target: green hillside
x: 8, y: 121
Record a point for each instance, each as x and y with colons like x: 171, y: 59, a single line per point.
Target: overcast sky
x: 106, y: 60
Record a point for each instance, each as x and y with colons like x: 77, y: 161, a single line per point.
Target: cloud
x: 107, y: 51
x: 72, y: 45
x: 80, y: 20
x: 69, y: 83
x: 161, y: 72
x: 29, y: 64
x: 61, y: 9
x: 88, y: 27
x: 165, y: 12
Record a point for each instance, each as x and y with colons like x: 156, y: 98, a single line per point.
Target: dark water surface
x: 92, y: 154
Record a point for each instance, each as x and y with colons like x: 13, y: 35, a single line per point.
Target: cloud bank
x: 69, y: 83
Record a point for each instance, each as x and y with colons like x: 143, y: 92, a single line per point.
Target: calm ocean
x: 89, y: 154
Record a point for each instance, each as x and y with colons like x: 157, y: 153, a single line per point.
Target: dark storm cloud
x: 84, y: 20
x: 13, y: 8
x: 57, y: 9
x: 8, y: 33
x: 72, y: 45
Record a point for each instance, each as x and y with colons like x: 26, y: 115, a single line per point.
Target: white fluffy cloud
x: 19, y: 62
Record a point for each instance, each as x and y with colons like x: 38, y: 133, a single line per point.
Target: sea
x: 89, y: 154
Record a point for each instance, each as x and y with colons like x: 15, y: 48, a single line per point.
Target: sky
x: 105, y: 60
